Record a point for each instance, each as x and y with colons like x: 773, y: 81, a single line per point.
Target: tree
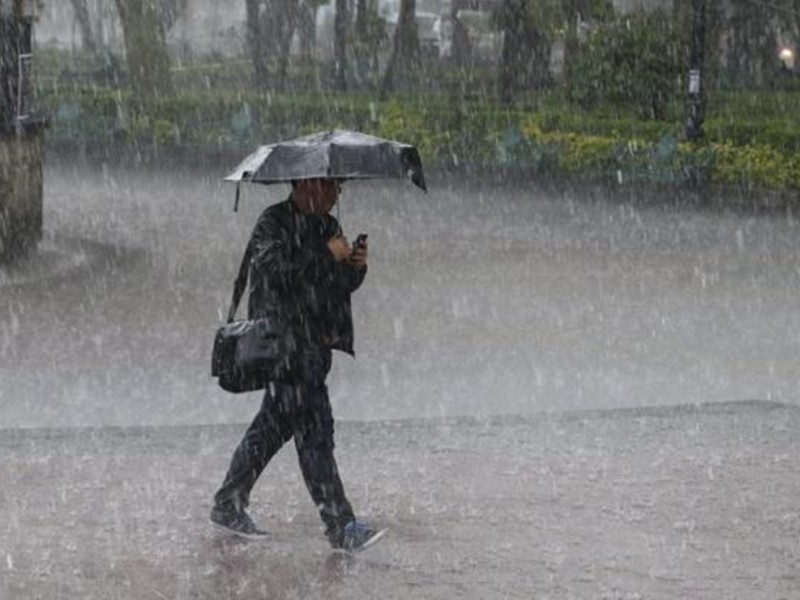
x: 404, y: 61
x: 753, y: 41
x: 340, y: 44
x: 684, y: 15
x: 84, y: 24
x: 307, y: 32
x: 255, y: 41
x: 754, y: 36
x: 512, y: 22
x: 270, y: 26
x: 575, y: 11
x: 370, y: 36
x: 696, y: 98
x: 633, y: 62
x: 283, y: 27
x: 362, y: 19
x: 461, y: 47
x: 171, y: 11
x: 528, y: 28
x: 145, y: 47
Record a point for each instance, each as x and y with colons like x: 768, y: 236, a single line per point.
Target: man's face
x: 322, y: 193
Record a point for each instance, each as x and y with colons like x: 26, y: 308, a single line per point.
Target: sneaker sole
x: 241, y: 534
x: 373, y: 540
x: 368, y: 544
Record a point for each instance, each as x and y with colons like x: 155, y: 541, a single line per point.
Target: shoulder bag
x: 248, y: 354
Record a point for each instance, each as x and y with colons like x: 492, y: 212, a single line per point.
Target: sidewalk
x: 661, y: 503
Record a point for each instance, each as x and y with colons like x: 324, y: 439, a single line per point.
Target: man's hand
x: 339, y: 247
x: 358, y: 258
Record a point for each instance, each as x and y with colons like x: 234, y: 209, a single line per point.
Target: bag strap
x: 240, y: 283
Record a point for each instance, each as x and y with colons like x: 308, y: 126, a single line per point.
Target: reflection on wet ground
x: 656, y: 503
x: 232, y: 563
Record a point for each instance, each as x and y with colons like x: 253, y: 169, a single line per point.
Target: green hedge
x: 212, y: 118
x: 760, y: 150
x: 665, y: 161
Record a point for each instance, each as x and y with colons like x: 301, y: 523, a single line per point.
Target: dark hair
x: 296, y: 182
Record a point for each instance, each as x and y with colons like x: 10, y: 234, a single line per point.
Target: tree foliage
x: 528, y: 32
x: 573, y: 11
x: 270, y: 27
x: 634, y: 61
x: 755, y: 33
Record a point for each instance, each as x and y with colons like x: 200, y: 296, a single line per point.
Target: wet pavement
x: 652, y: 503
x: 559, y: 393
x: 483, y: 297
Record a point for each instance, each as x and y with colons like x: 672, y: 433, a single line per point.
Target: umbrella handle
x: 236, y: 198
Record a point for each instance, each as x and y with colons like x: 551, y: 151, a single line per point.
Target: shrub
x: 754, y: 165
x: 760, y: 151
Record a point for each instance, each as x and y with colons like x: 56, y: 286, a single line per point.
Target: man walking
x: 302, y: 271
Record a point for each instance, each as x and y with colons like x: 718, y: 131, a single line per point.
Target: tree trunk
x: 99, y: 27
x: 286, y: 23
x: 307, y: 31
x: 361, y: 19
x: 9, y: 54
x: 537, y: 47
x: 571, y: 43
x: 534, y: 55
x: 512, y: 19
x: 255, y: 42
x: 340, y: 44
x: 362, y: 43
x: 171, y: 11
x: 695, y: 100
x: 145, y: 47
x: 461, y: 50
x: 405, y: 58
x: 84, y: 24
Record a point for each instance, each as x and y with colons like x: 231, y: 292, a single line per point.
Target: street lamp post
x: 695, y: 100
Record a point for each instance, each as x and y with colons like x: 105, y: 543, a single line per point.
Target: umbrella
x: 334, y: 154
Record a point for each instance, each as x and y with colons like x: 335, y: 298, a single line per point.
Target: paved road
x: 481, y: 299
x: 657, y: 503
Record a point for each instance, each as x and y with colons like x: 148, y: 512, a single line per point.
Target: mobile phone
x: 360, y: 242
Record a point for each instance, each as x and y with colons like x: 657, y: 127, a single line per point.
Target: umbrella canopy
x: 334, y: 154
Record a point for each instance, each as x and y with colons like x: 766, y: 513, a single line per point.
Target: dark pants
x: 300, y: 409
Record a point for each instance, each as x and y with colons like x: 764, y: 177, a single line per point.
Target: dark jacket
x: 294, y: 276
